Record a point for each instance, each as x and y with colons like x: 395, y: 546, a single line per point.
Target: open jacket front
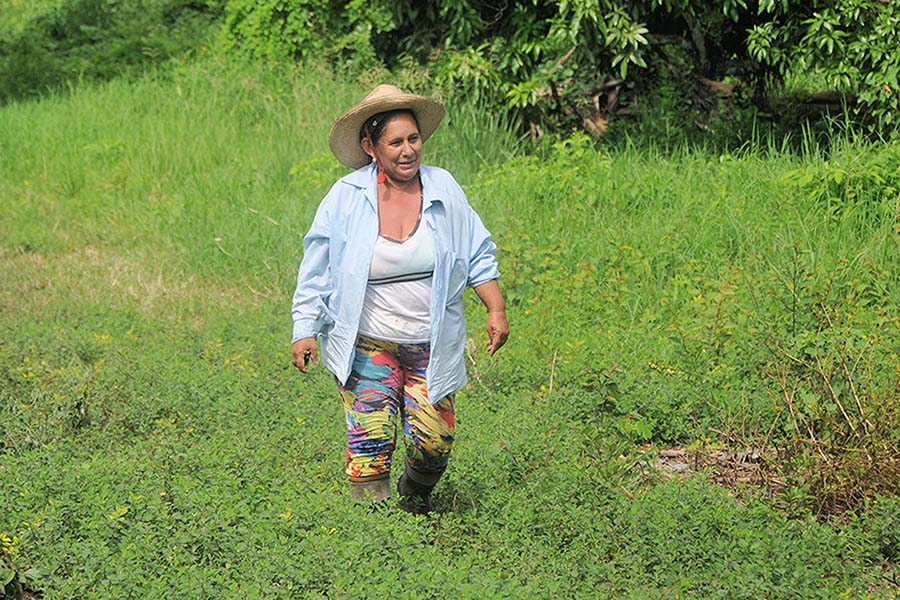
x: 337, y: 252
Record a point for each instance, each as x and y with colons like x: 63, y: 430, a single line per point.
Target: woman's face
x: 400, y: 148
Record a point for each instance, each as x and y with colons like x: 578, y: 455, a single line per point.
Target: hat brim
x: 344, y: 136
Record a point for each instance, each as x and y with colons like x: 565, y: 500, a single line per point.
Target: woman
x: 385, y: 263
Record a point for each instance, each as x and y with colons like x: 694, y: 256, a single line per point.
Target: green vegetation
x: 850, y: 42
x: 695, y: 287
x: 15, y: 14
x: 716, y: 70
x: 564, y: 64
x: 48, y: 44
x: 157, y: 443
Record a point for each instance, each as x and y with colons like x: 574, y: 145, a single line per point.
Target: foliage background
x: 156, y: 441
x: 50, y: 44
x: 711, y: 72
x: 577, y: 63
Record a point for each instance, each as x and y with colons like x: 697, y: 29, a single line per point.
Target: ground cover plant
x: 157, y: 443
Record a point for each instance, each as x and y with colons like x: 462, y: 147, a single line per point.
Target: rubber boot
x: 415, y: 489
x: 375, y: 490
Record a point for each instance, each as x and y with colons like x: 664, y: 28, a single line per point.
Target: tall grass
x: 228, y: 162
x: 157, y: 443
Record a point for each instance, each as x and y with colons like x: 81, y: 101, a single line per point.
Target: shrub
x: 97, y: 40
x: 304, y: 29
x: 558, y: 65
x: 851, y: 42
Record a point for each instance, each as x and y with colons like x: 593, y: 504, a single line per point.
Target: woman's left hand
x: 497, y: 329
x: 497, y: 325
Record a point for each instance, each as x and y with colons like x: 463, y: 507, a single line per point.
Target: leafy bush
x: 305, y: 29
x: 851, y: 42
x: 858, y: 188
x: 579, y: 63
x: 97, y: 40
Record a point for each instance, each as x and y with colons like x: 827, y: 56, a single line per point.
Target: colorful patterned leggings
x: 388, y: 379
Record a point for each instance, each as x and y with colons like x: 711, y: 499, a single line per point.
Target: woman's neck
x: 411, y: 186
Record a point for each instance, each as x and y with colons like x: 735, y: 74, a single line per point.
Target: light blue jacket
x: 337, y: 252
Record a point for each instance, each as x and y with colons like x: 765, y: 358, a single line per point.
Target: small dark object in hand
x: 306, y: 358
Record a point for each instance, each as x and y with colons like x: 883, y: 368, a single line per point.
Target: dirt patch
x: 747, y: 470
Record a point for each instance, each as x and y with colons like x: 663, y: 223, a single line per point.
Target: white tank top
x: 398, y: 297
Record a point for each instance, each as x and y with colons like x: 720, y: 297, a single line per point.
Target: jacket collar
x: 430, y: 191
x: 364, y: 178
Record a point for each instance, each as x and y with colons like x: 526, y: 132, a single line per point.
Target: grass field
x: 157, y: 442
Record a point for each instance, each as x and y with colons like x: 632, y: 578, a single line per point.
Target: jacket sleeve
x: 314, y: 281
x: 482, y: 250
x: 483, y: 259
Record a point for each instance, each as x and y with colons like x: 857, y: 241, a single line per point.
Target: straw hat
x: 344, y: 136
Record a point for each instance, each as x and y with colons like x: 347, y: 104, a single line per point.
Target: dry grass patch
x: 748, y: 469
x: 151, y: 282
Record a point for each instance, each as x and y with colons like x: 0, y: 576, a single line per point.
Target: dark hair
x: 377, y: 122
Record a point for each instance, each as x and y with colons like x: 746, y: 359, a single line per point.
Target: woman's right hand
x: 305, y: 351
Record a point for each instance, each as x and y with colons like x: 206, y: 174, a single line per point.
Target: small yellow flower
x: 118, y: 514
x: 8, y: 544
